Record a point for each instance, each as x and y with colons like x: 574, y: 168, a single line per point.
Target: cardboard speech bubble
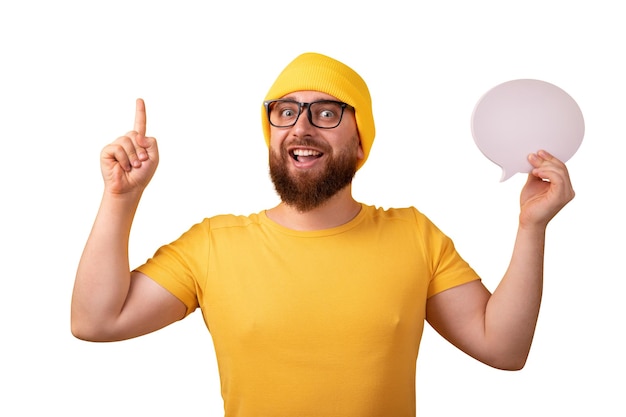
x: 520, y: 117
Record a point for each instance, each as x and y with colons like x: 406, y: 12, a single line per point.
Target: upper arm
x: 148, y: 307
x: 458, y: 314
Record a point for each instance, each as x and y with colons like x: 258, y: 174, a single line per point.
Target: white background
x: 70, y: 72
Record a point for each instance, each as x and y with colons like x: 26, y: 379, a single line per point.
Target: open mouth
x: 305, y: 155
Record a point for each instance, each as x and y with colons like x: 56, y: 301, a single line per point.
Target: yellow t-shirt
x: 318, y: 323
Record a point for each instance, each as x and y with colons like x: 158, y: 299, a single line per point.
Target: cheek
x: 277, y: 137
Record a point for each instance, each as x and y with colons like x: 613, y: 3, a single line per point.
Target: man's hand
x: 129, y: 163
x: 547, y: 190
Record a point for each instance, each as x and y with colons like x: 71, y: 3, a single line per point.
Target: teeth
x: 306, y: 152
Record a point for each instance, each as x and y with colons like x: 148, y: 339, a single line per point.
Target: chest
x: 315, y: 290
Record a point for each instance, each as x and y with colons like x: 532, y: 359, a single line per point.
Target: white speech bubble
x: 520, y: 117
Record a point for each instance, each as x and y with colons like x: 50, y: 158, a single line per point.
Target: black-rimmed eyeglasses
x: 325, y: 114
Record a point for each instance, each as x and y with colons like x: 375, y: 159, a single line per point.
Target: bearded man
x: 316, y: 306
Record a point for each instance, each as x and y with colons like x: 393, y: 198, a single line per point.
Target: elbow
x: 508, y: 363
x: 82, y: 332
x: 85, y: 330
x: 510, y: 356
x: 512, y: 366
x: 89, y: 335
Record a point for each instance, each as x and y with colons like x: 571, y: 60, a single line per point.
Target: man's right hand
x: 129, y: 163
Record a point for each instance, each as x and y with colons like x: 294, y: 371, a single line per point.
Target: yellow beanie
x: 316, y: 72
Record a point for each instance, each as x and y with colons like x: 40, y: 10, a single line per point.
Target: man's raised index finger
x: 140, y: 117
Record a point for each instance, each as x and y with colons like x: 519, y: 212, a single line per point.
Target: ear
x: 360, y: 152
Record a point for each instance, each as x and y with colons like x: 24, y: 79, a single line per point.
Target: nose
x: 303, y: 124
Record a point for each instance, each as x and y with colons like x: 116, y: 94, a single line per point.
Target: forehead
x: 308, y: 96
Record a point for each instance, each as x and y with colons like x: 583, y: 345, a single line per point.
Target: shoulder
x: 407, y: 221
x: 224, y: 221
x: 221, y: 222
x: 395, y: 214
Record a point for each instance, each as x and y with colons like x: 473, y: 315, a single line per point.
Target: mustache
x: 306, y: 142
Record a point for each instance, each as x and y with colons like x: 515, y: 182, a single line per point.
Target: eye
x: 287, y: 113
x: 326, y: 109
x: 284, y: 110
x: 326, y: 114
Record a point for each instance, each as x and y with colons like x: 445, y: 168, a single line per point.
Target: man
x: 316, y: 306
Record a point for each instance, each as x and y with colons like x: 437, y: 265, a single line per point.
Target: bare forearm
x: 512, y: 311
x: 498, y: 328
x: 103, y: 275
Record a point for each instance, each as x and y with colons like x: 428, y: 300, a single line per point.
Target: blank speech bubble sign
x: 520, y: 117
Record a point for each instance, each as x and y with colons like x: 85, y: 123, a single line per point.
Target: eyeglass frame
x: 301, y: 106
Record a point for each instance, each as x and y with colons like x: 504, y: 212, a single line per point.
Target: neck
x: 337, y: 210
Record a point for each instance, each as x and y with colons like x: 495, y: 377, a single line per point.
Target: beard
x: 308, y: 190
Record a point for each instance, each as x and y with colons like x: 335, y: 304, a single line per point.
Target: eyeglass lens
x: 326, y: 114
